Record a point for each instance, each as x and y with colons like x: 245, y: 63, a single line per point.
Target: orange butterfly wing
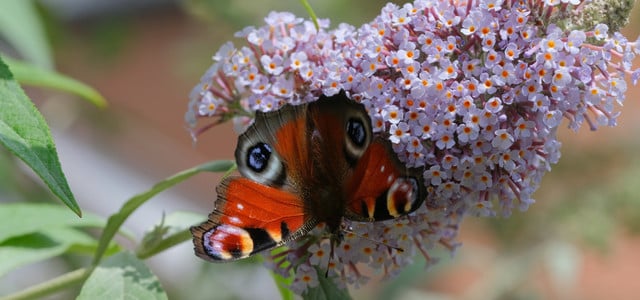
x: 249, y: 218
x: 380, y: 188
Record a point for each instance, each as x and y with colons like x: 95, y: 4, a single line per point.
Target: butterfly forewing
x: 274, y: 149
x: 249, y: 218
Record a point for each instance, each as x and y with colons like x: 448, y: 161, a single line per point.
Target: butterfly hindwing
x: 249, y: 218
x: 380, y: 188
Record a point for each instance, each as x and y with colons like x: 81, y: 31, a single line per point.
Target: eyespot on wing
x: 248, y: 218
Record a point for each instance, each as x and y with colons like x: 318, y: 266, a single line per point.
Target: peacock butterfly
x: 302, y: 165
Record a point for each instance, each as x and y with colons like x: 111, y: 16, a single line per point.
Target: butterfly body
x: 303, y: 165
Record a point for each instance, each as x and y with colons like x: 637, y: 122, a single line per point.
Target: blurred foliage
x: 21, y: 27
x: 109, y: 37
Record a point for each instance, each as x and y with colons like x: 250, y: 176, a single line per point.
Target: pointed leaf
x: 49, y: 243
x: 32, y: 75
x: 25, y: 133
x: 173, y: 230
x: 122, y: 276
x: 17, y: 219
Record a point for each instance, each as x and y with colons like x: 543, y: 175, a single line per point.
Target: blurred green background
x: 579, y: 241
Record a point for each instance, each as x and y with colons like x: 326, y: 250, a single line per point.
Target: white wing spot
x: 382, y: 169
x: 240, y: 206
x: 390, y: 179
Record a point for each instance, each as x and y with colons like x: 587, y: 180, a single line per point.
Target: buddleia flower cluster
x: 473, y: 92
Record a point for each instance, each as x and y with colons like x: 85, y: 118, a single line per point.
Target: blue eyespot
x: 258, y: 157
x: 356, y: 132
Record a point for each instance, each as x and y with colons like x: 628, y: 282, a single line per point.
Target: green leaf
x: 25, y: 133
x: 173, y: 230
x: 18, y: 219
x: 122, y: 276
x: 36, y: 231
x: 32, y: 75
x: 49, y: 243
x: 21, y: 26
x: 181, y: 220
x: 326, y: 289
x: 117, y: 219
x: 283, y: 285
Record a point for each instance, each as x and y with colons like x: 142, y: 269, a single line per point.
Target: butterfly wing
x: 266, y: 207
x: 249, y: 217
x: 380, y: 187
x: 275, y: 149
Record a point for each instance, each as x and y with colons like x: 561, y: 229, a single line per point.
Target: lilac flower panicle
x: 473, y: 94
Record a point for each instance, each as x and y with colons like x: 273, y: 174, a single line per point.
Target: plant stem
x: 168, y: 242
x: 116, y: 220
x: 312, y: 14
x: 49, y: 287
